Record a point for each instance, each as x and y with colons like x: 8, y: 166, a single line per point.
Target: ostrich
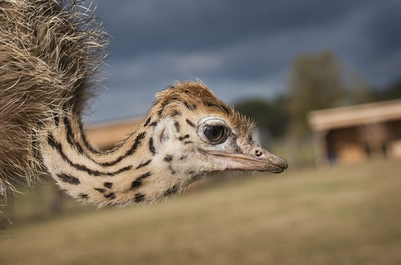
x: 50, y: 57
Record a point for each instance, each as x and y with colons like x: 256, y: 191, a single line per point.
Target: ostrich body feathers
x: 50, y: 53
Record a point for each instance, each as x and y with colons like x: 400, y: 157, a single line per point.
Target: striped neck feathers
x: 156, y: 160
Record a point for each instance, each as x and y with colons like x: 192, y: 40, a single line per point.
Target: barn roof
x: 363, y: 114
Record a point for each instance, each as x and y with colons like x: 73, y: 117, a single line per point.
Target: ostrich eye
x: 216, y: 134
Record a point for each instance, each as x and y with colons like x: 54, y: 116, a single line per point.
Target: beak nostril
x: 258, y: 153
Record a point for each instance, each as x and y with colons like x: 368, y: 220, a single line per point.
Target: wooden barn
x: 355, y: 133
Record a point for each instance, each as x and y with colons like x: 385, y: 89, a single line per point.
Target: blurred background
x: 274, y: 61
x: 247, y: 50
x: 322, y: 80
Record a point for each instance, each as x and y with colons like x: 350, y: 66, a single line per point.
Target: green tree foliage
x: 393, y: 91
x: 359, y: 91
x: 271, y: 115
x: 315, y: 82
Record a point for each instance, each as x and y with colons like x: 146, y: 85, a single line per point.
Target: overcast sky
x: 240, y: 49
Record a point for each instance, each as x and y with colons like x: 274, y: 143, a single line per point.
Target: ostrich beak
x: 258, y: 159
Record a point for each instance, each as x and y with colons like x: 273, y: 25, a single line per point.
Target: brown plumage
x: 50, y: 53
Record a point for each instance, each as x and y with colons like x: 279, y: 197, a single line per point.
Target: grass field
x: 341, y: 215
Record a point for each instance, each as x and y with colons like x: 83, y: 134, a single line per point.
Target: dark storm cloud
x: 239, y: 48
x: 191, y: 25
x: 384, y: 28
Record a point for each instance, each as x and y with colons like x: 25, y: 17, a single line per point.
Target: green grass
x: 342, y: 215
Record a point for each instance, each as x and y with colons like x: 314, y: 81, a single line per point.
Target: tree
x: 315, y: 82
x: 393, y: 91
x: 270, y: 115
x: 359, y: 91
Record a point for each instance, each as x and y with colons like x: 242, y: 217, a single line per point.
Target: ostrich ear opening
x: 162, y: 133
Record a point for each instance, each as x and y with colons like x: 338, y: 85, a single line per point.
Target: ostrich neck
x: 130, y: 173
